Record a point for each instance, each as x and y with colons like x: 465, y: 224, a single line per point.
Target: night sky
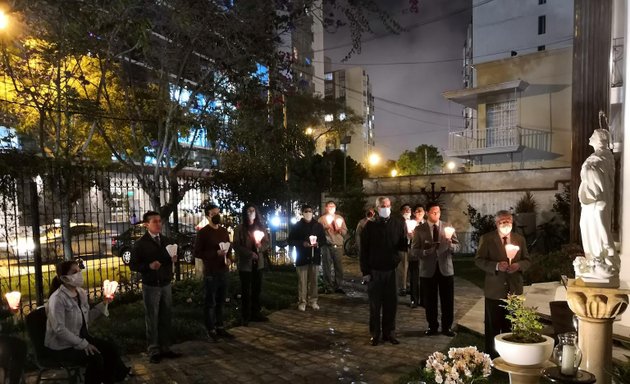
x: 409, y: 71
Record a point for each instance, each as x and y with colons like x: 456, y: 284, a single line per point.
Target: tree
x: 423, y: 160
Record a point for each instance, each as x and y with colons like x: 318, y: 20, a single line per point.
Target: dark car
x: 123, y: 243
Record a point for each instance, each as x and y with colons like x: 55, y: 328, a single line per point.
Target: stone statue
x: 601, y: 262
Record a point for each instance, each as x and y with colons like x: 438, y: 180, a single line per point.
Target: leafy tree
x: 425, y: 159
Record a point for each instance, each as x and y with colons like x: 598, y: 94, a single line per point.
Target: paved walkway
x: 325, y: 346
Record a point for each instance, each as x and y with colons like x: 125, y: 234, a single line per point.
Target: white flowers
x: 462, y: 366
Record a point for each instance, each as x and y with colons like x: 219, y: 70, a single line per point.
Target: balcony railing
x: 497, y: 140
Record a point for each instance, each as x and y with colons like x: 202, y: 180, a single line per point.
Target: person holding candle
x: 216, y: 264
x: 414, y: 259
x: 308, y: 257
x: 67, y: 338
x: 381, y: 242
x: 251, y: 240
x: 434, y: 246
x: 401, y: 270
x: 332, y: 250
x: 150, y: 258
x: 503, y: 275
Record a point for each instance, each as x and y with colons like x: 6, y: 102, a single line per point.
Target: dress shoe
x: 449, y: 333
x: 431, y: 332
x: 392, y: 339
x: 374, y: 341
x: 260, y: 318
x: 224, y: 334
x: 170, y: 354
x: 341, y: 291
x: 155, y: 358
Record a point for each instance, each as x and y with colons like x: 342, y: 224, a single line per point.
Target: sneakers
x: 302, y: 307
x: 315, y: 306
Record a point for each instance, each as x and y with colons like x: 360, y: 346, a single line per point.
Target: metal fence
x: 94, y: 216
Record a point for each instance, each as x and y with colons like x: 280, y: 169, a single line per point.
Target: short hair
x: 147, y: 216
x: 380, y: 199
x: 418, y: 206
x: 502, y: 213
x: 402, y: 207
x: 330, y: 202
x: 209, y: 208
x: 432, y: 204
x: 305, y: 207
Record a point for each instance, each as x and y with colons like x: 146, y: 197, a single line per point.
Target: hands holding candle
x: 109, y: 289
x: 13, y: 298
x: 448, y: 232
x: 172, y: 251
x: 224, y: 247
x: 511, y: 250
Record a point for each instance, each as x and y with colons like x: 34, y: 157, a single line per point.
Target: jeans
x: 331, y: 259
x: 382, y: 295
x: 251, y: 284
x: 158, y: 305
x: 215, y: 287
x: 307, y: 283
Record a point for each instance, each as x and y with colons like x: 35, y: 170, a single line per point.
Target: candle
x: 338, y: 222
x: 109, y: 288
x: 258, y: 236
x: 313, y: 239
x: 448, y: 232
x: 329, y: 219
x: 225, y: 246
x: 568, y: 360
x: 511, y: 250
x: 13, y: 298
x: 411, y: 225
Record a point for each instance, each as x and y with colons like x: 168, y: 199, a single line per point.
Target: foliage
x: 425, y: 159
x: 352, y: 206
x: 461, y: 366
x: 525, y: 322
x: 482, y: 224
x: 562, y: 204
x: 551, y: 266
x: 621, y: 371
x: 526, y: 204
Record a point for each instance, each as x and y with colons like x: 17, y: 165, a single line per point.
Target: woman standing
x: 251, y: 240
x: 67, y: 337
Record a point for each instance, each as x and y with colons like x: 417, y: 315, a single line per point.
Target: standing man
x: 308, y: 256
x: 150, y: 258
x: 435, y: 251
x: 216, y: 263
x: 502, y: 276
x: 381, y: 242
x: 332, y: 250
x: 401, y: 271
x: 414, y: 259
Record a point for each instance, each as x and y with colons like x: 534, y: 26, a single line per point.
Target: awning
x: 472, y: 97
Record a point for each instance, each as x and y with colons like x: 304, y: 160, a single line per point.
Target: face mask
x: 407, y: 216
x: 332, y: 210
x: 75, y: 280
x: 505, y: 229
x: 384, y: 212
x: 216, y: 219
x: 251, y: 216
x: 308, y: 216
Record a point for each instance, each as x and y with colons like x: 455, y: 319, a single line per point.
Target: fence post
x: 37, y: 250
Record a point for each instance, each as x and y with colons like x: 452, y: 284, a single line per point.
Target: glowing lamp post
x: 511, y: 250
x: 448, y: 232
x: 313, y: 240
x: 13, y: 298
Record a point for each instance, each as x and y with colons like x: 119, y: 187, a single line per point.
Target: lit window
x: 328, y: 118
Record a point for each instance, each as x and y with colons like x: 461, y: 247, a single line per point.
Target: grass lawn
x: 465, y: 268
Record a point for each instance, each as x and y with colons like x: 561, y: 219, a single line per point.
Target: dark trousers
x: 12, y: 358
x: 251, y: 284
x: 382, y: 295
x: 215, y: 285
x: 414, y: 281
x: 103, y: 367
x: 158, y: 307
x: 442, y: 286
x: 495, y: 322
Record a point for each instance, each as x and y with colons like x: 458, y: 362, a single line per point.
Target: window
x: 328, y: 76
x: 500, y: 123
x: 541, y: 2
x: 542, y: 25
x: 541, y: 48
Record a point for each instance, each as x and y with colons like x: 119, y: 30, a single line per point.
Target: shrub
x: 525, y: 321
x: 526, y: 204
x: 482, y: 224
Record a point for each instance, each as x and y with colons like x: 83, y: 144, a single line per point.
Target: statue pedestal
x: 596, y: 308
x: 521, y: 375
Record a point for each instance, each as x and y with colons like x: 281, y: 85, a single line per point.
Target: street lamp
x: 373, y: 159
x: 309, y: 131
x: 394, y: 172
x: 4, y: 19
x: 450, y: 165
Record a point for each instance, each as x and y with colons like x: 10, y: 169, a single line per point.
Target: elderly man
x: 503, y: 275
x: 381, y: 241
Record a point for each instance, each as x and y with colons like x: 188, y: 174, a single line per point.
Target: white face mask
x: 251, y: 216
x: 75, y: 280
x: 308, y: 216
x: 384, y: 212
x: 505, y: 229
x: 407, y: 215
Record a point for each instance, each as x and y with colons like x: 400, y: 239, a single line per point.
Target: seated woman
x: 67, y: 336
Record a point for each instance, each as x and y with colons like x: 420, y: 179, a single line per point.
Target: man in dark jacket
x: 381, y: 241
x: 150, y: 258
x: 308, y: 256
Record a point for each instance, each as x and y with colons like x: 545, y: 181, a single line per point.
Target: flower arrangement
x: 464, y: 365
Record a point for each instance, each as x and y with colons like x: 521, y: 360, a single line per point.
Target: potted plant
x: 524, y: 346
x: 526, y: 212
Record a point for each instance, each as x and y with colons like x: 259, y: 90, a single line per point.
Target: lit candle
x: 313, y: 240
x: 568, y: 360
x: 225, y: 246
x: 338, y: 222
x: 109, y: 288
x: 258, y: 236
x: 511, y: 250
x: 13, y: 298
x: 329, y: 219
x: 448, y: 232
x: 411, y: 225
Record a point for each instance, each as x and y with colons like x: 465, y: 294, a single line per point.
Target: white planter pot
x: 521, y: 354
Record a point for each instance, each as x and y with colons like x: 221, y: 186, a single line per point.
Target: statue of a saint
x: 596, y: 190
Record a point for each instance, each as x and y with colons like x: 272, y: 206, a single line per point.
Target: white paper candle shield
x: 448, y: 232
x: 313, y: 239
x: 109, y: 288
x: 172, y: 249
x: 329, y: 219
x: 339, y: 222
x: 224, y: 246
x: 258, y: 236
x: 411, y: 225
x: 13, y: 298
x: 511, y: 250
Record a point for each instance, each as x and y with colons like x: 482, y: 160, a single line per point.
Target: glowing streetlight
x: 374, y: 159
x: 394, y: 172
x: 4, y: 20
x: 309, y: 131
x: 450, y: 165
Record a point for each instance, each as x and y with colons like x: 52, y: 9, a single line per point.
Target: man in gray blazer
x: 435, y: 251
x: 502, y: 275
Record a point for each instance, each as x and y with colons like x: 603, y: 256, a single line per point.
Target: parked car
x: 86, y: 239
x: 185, y: 237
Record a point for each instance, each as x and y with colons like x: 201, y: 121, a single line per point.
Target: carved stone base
x: 596, y: 308
x: 612, y: 282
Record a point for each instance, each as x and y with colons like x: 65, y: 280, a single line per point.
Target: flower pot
x: 523, y: 354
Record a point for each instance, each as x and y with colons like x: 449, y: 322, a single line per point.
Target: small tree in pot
x: 525, y: 321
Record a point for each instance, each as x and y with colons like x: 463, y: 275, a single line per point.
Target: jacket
x: 431, y: 258
x: 245, y: 244
x: 207, y: 249
x: 381, y: 240
x: 299, y: 234
x: 332, y: 236
x: 491, y: 251
x: 144, y: 252
x: 64, y: 319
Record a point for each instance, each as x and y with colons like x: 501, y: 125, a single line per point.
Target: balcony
x: 532, y: 143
